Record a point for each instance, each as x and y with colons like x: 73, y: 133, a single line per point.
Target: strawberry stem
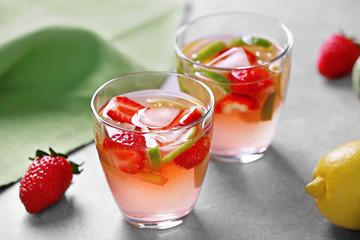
x: 55, y: 154
x: 75, y: 167
x: 41, y: 153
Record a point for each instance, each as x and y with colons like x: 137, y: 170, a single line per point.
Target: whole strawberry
x: 337, y: 56
x: 46, y: 180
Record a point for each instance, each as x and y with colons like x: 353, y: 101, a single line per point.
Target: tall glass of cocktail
x: 245, y: 59
x: 153, y: 142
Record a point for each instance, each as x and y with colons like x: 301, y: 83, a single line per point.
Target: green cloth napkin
x: 54, y: 54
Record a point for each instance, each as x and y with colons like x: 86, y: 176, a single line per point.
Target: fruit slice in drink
x: 248, y: 90
x: 151, y: 168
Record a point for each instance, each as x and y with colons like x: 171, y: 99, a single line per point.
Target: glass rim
x: 183, y: 27
x: 207, y: 114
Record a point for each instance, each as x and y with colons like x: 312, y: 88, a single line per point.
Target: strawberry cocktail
x: 153, y: 142
x: 245, y: 60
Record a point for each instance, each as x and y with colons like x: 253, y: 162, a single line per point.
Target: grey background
x: 261, y: 200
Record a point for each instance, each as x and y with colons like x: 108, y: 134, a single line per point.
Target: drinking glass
x: 244, y: 58
x: 154, y: 169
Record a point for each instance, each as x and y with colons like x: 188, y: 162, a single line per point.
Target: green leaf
x: 40, y: 153
x: 75, y: 167
x: 53, y: 153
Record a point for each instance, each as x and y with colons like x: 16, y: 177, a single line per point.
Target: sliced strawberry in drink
x: 233, y: 58
x: 121, y: 109
x: 252, y: 57
x: 234, y: 102
x: 185, y: 117
x: 195, y: 154
x: 126, y: 151
x: 250, y: 81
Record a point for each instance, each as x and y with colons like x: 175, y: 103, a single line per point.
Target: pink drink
x: 154, y: 151
x: 244, y: 58
x: 248, y: 94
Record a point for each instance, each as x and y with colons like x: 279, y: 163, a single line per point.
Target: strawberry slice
x: 125, y: 150
x: 121, y: 109
x: 185, y: 117
x: 250, y: 81
x: 195, y: 154
x: 234, y: 102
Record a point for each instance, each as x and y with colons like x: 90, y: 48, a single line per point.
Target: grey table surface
x: 262, y: 200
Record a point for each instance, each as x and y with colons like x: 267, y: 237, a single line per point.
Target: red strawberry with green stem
x: 337, y: 56
x: 46, y: 180
x: 126, y: 151
x: 122, y: 109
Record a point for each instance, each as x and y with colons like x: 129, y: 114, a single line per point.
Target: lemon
x: 336, y: 185
x: 355, y: 77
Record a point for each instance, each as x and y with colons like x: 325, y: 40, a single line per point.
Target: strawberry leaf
x: 40, y: 153
x: 55, y: 154
x: 75, y: 167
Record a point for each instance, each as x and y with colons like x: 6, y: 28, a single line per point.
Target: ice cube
x: 111, y: 131
x: 151, y: 140
x: 232, y: 58
x: 165, y: 138
x: 156, y: 117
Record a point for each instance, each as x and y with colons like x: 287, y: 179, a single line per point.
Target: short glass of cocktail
x: 153, y: 142
x: 245, y: 59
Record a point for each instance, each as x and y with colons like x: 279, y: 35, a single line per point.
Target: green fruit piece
x: 237, y: 42
x: 163, y: 102
x: 261, y: 42
x: 151, y: 178
x: 188, y: 135
x: 224, y: 82
x: 210, y: 51
x: 194, y: 89
x: 191, y: 133
x: 253, y: 40
x: 182, y: 85
x: 181, y: 149
x: 355, y: 77
x: 155, y: 157
x: 180, y: 67
x: 268, y: 107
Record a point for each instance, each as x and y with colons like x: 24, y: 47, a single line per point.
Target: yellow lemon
x: 336, y: 185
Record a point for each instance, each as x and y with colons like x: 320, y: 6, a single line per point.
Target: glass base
x: 241, y: 158
x: 156, y: 224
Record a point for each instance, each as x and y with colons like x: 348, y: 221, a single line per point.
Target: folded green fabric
x: 55, y: 54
